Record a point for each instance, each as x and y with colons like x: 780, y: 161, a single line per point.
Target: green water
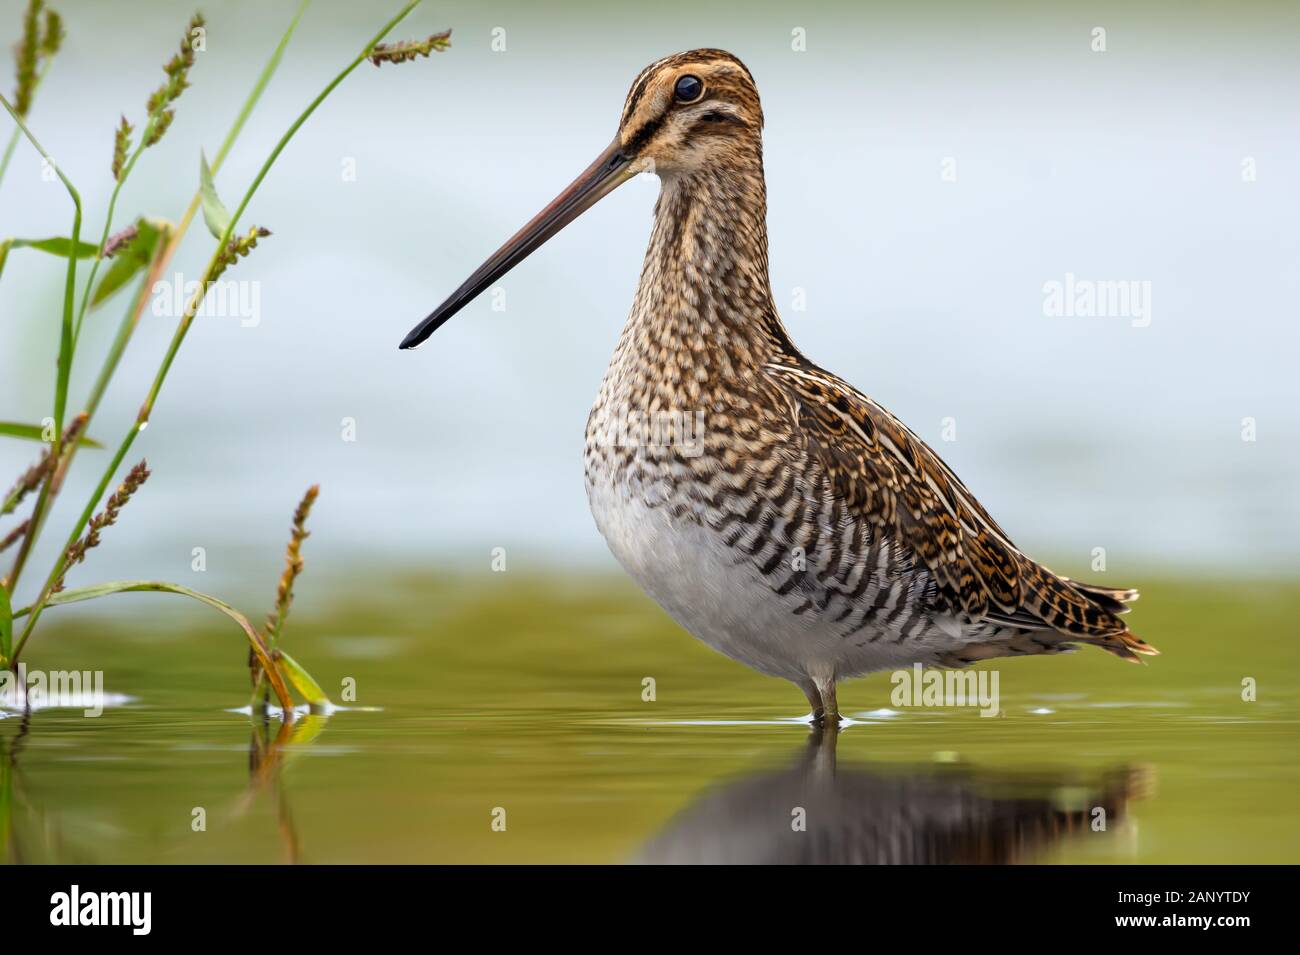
x: 526, y: 696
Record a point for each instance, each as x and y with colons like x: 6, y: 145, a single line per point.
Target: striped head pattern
x: 692, y: 110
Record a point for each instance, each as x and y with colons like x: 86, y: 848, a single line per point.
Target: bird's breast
x: 732, y: 527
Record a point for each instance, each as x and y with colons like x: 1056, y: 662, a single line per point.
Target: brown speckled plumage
x: 804, y: 530
x: 794, y: 457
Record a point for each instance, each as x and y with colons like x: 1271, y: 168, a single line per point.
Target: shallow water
x: 525, y: 695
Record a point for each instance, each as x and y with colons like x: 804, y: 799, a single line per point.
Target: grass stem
x: 131, y: 320
x: 65, y: 345
x: 17, y: 133
x: 186, y: 320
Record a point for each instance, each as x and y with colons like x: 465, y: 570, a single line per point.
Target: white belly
x: 720, y: 597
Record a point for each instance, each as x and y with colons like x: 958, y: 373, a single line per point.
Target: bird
x: 777, y: 513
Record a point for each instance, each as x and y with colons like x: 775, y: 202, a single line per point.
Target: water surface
x: 525, y: 695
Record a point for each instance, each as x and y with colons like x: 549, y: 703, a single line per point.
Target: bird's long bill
x: 611, y: 169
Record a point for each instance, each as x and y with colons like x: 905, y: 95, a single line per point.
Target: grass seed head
x: 52, y: 37
x: 31, y: 479
x: 34, y: 48
x: 121, y: 146
x: 15, y: 535
x: 292, y: 564
x: 237, y: 248
x: 26, y: 56
x: 406, y: 50
x: 178, y: 72
x: 105, y: 518
x: 119, y: 240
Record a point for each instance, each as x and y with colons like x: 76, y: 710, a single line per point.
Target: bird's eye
x: 688, y: 89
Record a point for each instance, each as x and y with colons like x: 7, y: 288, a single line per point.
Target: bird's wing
x: 886, y: 474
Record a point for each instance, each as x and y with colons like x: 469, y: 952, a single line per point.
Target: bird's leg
x: 830, y: 707
x: 814, y: 700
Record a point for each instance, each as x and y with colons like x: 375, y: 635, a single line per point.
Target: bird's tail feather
x: 1110, y: 599
x: 1115, y: 600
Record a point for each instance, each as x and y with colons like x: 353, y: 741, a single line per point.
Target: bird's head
x: 691, y: 112
x: 684, y: 114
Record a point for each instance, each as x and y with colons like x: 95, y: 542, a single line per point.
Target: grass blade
x: 215, y: 215
x: 55, y: 245
x: 302, y: 680
x: 6, y: 625
x: 78, y: 594
x: 33, y: 432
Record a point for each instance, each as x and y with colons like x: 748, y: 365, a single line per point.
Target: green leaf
x: 54, y: 246
x: 214, y: 213
x: 6, y: 626
x: 136, y: 255
x: 58, y: 245
x: 34, y: 432
x: 302, y: 680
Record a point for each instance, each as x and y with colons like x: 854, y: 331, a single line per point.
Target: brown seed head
x: 237, y: 248
x: 15, y: 534
x: 52, y: 38
x: 119, y: 240
x: 410, y: 49
x: 178, y: 71
x: 26, y: 56
x: 31, y: 479
x: 105, y: 518
x: 292, y: 564
x: 121, y: 146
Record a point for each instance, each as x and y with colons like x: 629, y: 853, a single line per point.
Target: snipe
x: 773, y: 510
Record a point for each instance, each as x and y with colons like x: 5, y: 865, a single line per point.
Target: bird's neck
x: 705, y: 299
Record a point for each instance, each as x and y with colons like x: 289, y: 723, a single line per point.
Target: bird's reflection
x: 824, y: 811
